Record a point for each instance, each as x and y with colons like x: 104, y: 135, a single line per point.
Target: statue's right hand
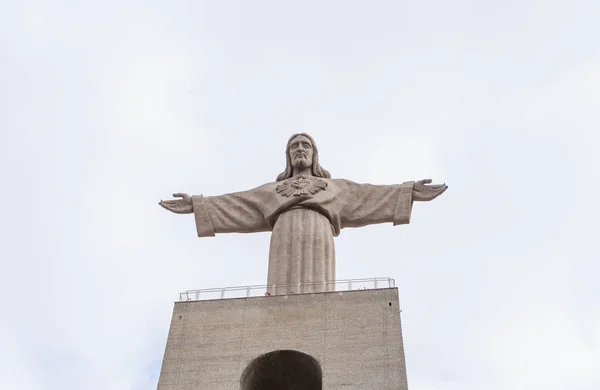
x: 179, y: 206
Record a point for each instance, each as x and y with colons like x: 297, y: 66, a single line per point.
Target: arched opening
x: 283, y: 369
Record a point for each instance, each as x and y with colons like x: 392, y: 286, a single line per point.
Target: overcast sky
x: 108, y: 107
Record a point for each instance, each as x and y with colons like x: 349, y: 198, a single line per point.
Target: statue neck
x: 302, y: 171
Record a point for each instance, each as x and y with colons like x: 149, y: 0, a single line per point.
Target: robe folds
x: 303, y: 224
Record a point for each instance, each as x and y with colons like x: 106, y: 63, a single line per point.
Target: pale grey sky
x: 107, y: 107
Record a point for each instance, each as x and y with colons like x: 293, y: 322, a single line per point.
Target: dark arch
x: 282, y: 369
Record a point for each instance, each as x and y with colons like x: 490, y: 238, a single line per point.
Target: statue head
x: 283, y: 369
x: 301, y: 152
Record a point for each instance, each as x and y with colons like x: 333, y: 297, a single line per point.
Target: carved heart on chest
x: 301, y: 185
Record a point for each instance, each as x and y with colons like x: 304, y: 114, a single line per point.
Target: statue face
x: 301, y: 152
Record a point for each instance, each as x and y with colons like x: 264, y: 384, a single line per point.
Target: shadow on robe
x: 283, y: 369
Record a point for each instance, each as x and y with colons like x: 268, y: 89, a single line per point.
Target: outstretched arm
x: 231, y: 213
x: 367, y: 204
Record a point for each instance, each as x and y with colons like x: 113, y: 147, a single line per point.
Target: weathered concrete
x: 355, y: 335
x: 304, y: 209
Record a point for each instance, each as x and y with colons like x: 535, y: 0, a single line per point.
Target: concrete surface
x: 355, y: 335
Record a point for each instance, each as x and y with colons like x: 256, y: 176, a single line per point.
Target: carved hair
x: 316, y: 169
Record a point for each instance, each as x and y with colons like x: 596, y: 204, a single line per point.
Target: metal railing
x: 299, y: 288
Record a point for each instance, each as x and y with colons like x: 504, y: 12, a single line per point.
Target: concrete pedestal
x: 355, y: 335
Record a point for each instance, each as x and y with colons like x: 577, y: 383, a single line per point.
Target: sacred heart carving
x: 301, y: 185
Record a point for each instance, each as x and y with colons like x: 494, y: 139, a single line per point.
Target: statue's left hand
x: 179, y: 206
x: 423, y: 192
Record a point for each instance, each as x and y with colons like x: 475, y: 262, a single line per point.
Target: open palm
x: 424, y: 193
x: 179, y: 206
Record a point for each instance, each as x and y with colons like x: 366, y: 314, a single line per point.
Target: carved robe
x: 303, y: 213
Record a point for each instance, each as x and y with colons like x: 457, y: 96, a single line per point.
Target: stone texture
x: 355, y: 335
x: 304, y: 209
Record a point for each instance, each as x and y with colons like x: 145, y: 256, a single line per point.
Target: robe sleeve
x: 239, y: 212
x: 368, y: 204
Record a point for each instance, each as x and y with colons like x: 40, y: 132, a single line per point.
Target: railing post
x: 350, y: 284
x: 375, y: 282
x: 222, y: 293
x: 247, y: 291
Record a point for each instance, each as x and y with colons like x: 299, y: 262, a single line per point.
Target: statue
x: 304, y: 209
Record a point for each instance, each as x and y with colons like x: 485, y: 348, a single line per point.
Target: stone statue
x: 304, y: 209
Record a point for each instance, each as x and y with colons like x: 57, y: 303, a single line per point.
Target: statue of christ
x: 303, y: 209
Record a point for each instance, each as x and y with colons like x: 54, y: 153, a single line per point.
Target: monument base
x: 356, y: 337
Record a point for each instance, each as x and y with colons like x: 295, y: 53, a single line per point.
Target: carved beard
x: 301, y: 162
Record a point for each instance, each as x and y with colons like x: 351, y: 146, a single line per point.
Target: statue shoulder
x: 266, y: 188
x: 341, y: 183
